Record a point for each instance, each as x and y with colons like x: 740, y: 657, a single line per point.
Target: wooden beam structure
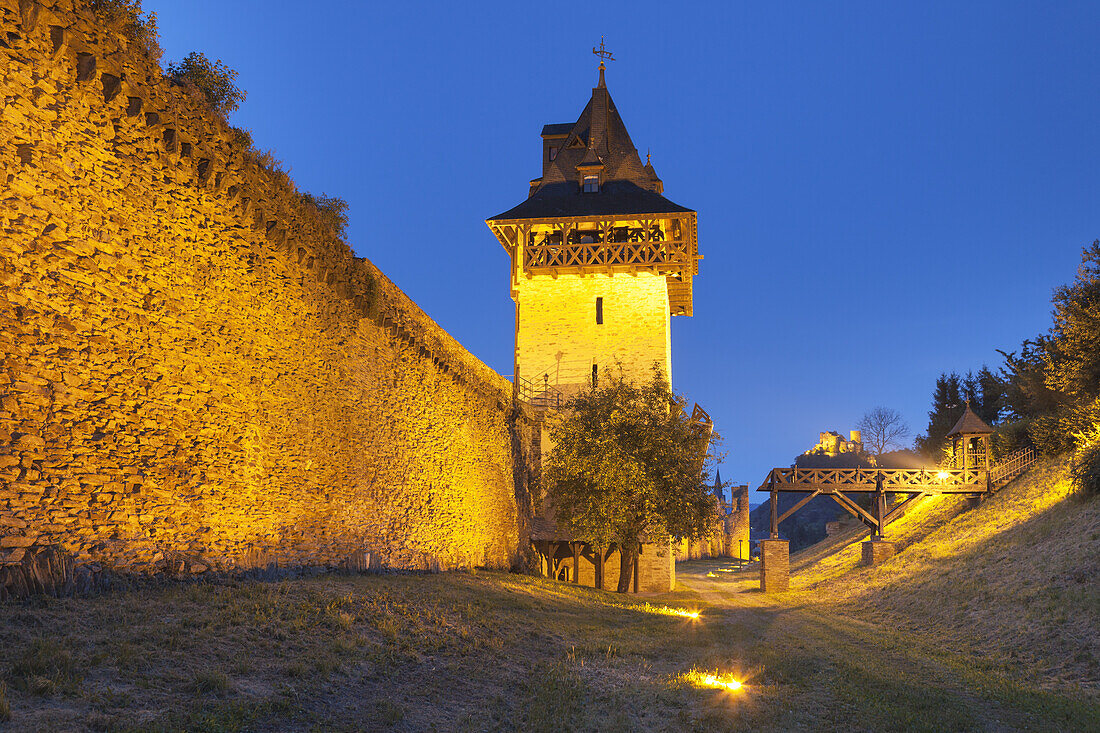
x: 914, y: 483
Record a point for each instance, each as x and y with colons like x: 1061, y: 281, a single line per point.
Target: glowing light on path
x: 669, y: 611
x: 662, y: 610
x: 721, y: 682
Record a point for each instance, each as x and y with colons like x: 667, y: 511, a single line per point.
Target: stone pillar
x: 775, y: 564
x: 877, y: 551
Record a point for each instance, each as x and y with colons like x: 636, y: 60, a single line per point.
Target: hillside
x: 1012, y: 581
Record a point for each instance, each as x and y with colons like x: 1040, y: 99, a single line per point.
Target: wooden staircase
x: 1003, y: 471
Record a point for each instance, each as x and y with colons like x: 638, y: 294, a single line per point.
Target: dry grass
x: 922, y: 643
x: 1013, y: 580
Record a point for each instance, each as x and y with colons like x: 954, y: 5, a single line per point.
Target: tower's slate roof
x: 970, y: 424
x: 598, y: 140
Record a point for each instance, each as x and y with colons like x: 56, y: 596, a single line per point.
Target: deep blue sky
x: 884, y: 192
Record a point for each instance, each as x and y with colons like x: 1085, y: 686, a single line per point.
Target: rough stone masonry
x: 196, y: 373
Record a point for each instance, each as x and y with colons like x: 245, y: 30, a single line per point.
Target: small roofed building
x: 971, y: 441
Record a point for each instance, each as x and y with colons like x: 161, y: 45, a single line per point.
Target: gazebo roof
x: 970, y: 424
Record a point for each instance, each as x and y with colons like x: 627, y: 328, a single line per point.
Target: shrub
x: 127, y: 17
x: 332, y: 211
x: 242, y: 138
x: 215, y: 82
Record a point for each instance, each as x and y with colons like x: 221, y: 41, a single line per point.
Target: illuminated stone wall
x: 558, y: 334
x: 729, y: 537
x: 196, y: 372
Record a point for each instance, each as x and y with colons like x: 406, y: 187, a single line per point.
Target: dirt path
x: 825, y: 659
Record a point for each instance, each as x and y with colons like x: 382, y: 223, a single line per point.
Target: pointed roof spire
x: 603, y: 53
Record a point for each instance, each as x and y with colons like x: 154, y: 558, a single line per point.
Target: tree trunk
x: 628, y: 555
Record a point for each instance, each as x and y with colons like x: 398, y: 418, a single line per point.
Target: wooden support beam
x: 637, y: 562
x: 901, y: 507
x: 576, y: 561
x: 797, y: 506
x: 880, y: 512
x: 775, y: 509
x: 599, y: 568
x: 854, y: 508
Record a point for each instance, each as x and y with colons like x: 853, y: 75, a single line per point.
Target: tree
x: 946, y: 409
x: 214, y: 81
x: 882, y: 428
x: 1052, y: 389
x: 627, y: 462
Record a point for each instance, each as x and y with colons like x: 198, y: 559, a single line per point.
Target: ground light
x: 647, y: 607
x: 669, y: 611
x: 715, y: 681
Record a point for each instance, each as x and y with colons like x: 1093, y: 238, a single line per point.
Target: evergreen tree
x: 947, y: 407
x: 971, y: 390
x: 991, y: 396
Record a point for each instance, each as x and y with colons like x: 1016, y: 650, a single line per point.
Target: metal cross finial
x: 602, y: 52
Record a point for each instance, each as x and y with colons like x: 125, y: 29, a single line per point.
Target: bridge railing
x: 1012, y: 465
x: 869, y: 479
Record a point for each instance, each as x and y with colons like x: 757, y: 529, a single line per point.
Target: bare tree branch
x: 883, y: 428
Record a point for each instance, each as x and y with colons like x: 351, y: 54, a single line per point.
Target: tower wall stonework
x: 558, y: 336
x: 196, y: 372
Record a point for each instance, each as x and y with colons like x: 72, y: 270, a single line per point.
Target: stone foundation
x: 877, y: 551
x: 775, y: 566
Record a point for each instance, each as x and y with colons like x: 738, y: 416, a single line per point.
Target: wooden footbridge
x: 843, y: 484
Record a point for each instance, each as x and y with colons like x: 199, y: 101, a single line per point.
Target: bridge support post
x: 877, y: 550
x: 775, y: 511
x: 775, y: 566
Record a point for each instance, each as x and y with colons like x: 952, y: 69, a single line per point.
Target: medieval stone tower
x: 600, y: 258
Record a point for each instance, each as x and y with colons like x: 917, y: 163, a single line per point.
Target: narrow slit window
x: 599, y: 311
x: 553, y: 152
x: 595, y: 376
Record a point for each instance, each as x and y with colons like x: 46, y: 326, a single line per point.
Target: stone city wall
x: 196, y: 372
x: 729, y: 537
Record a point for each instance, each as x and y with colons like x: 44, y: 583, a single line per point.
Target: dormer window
x: 552, y: 153
x: 591, y: 184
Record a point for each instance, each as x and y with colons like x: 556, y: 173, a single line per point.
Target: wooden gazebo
x: 975, y: 436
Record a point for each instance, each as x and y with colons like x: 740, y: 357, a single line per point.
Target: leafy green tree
x: 627, y: 463
x: 1073, y: 352
x: 215, y: 81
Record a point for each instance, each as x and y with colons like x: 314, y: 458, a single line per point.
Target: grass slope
x: 982, y: 622
x: 1013, y: 580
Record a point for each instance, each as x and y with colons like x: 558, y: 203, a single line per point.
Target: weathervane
x: 602, y: 52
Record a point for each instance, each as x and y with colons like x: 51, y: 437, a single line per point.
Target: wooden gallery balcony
x: 661, y: 246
